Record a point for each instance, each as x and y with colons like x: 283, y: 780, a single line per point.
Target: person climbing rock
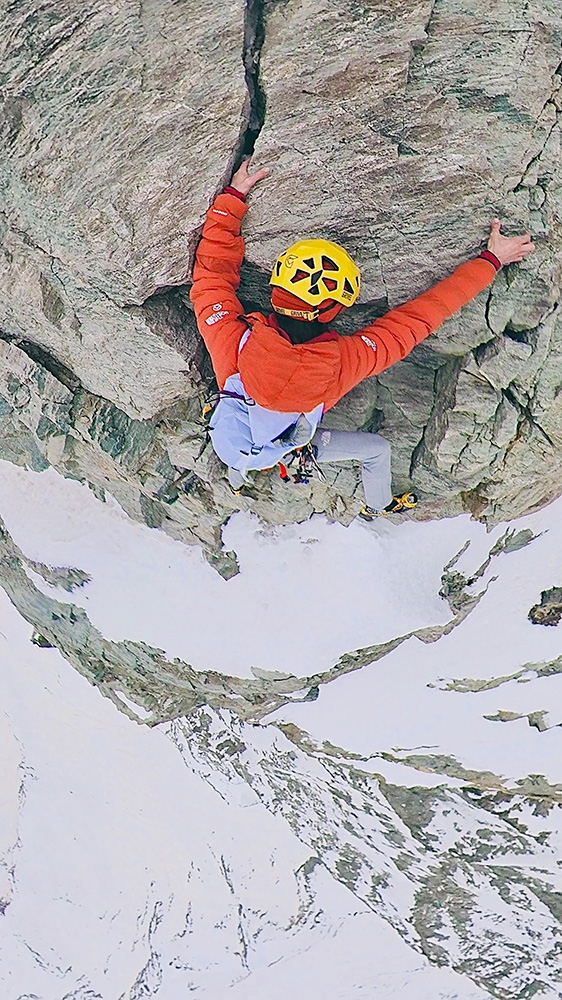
x: 279, y: 374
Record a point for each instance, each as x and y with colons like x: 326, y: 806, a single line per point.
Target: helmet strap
x: 330, y: 307
x: 298, y: 313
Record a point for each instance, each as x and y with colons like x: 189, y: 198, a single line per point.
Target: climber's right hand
x: 509, y: 249
x: 243, y: 181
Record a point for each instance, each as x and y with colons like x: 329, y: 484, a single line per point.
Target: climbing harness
x: 213, y: 401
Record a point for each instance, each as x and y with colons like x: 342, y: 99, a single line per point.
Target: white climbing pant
x: 372, y: 450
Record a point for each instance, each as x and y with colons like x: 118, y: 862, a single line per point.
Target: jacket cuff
x: 491, y: 258
x: 237, y: 194
x: 228, y: 205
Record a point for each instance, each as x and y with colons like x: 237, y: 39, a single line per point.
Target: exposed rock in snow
x: 144, y: 683
x: 440, y: 864
x: 549, y: 610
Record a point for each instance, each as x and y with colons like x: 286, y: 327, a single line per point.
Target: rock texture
x: 118, y: 122
x: 397, y: 129
x: 549, y: 610
x: 401, y: 130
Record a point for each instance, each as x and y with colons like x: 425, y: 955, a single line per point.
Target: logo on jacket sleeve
x: 216, y: 316
x: 369, y: 343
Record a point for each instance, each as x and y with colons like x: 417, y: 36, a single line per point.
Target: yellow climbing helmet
x: 315, y: 270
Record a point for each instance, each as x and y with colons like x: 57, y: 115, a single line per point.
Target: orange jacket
x: 297, y: 377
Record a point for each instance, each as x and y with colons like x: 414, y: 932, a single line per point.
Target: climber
x: 278, y: 375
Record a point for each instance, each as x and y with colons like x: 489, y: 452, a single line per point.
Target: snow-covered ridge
x: 228, y: 858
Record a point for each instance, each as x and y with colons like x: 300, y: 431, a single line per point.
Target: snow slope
x: 368, y: 843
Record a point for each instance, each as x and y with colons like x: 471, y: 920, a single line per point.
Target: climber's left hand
x: 243, y: 181
x: 509, y: 249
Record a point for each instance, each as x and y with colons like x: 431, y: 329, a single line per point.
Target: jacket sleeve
x: 216, y: 277
x: 393, y: 336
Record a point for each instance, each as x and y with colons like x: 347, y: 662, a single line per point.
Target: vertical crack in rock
x: 253, y: 113
x: 417, y: 47
x: 526, y: 416
x: 254, y: 35
x: 552, y: 102
x: 535, y: 160
x: 487, y: 308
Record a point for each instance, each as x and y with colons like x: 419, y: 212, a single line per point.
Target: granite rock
x: 398, y: 130
x: 118, y: 121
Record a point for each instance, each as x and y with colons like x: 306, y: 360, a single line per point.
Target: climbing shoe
x: 396, y: 506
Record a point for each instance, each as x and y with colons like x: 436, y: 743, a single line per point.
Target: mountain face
x: 203, y: 795
x: 398, y: 130
x: 407, y: 782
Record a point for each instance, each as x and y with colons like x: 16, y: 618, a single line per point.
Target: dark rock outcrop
x: 549, y: 610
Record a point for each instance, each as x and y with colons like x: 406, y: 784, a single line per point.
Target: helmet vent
x: 299, y: 275
x: 316, y: 271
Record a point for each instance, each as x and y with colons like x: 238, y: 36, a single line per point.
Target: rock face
x: 398, y: 130
x: 114, y: 139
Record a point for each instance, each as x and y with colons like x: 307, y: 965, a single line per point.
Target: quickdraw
x: 306, y: 467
